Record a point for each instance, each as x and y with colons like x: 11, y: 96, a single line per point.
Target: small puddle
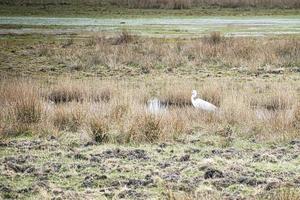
x: 155, y: 106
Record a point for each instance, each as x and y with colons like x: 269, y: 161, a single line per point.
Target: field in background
x: 157, y: 8
x: 161, y: 4
x: 75, y: 121
x: 125, y: 55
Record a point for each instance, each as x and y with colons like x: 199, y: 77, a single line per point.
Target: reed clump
x: 147, y: 128
x: 68, y: 118
x: 21, y: 107
x: 99, y: 129
x: 65, y: 93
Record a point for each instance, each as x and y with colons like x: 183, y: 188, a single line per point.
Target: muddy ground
x: 73, y: 167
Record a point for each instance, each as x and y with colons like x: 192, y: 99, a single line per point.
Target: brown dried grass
x: 124, y: 118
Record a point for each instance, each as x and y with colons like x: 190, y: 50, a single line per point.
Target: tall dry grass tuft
x: 145, y: 128
x: 235, y: 109
x: 65, y: 93
x: 69, y: 118
x: 179, y: 93
x: 176, y: 124
x: 172, y: 97
x: 296, y: 122
x: 68, y: 91
x: 99, y: 129
x: 103, y: 94
x: 211, y: 91
x: 42, y: 50
x: 22, y: 106
x: 27, y: 106
x: 123, y: 38
x: 276, y: 100
x: 118, y: 111
x: 214, y: 38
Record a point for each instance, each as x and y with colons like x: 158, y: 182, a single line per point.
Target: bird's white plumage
x: 201, y: 104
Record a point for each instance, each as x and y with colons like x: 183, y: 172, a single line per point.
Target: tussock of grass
x: 118, y: 111
x: 27, y: 108
x: 42, y: 50
x: 173, y: 97
x: 296, y: 122
x: 21, y: 104
x: 104, y: 95
x: 213, y: 38
x: 211, y: 92
x: 68, y: 118
x: 236, y: 109
x: 66, y: 92
x: 123, y: 38
x: 146, y: 128
x: 63, y: 94
x: 99, y: 129
x: 275, y: 98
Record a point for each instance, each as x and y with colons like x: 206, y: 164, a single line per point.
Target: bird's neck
x: 193, y: 98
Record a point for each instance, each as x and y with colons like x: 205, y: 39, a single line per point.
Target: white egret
x: 201, y: 104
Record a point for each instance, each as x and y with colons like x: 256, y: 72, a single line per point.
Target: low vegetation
x: 126, y: 55
x: 205, y: 166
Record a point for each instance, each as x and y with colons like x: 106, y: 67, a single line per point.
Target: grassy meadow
x: 75, y: 117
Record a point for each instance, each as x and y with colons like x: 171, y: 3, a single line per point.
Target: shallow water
x: 149, y: 21
x: 155, y: 106
x: 236, y: 26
